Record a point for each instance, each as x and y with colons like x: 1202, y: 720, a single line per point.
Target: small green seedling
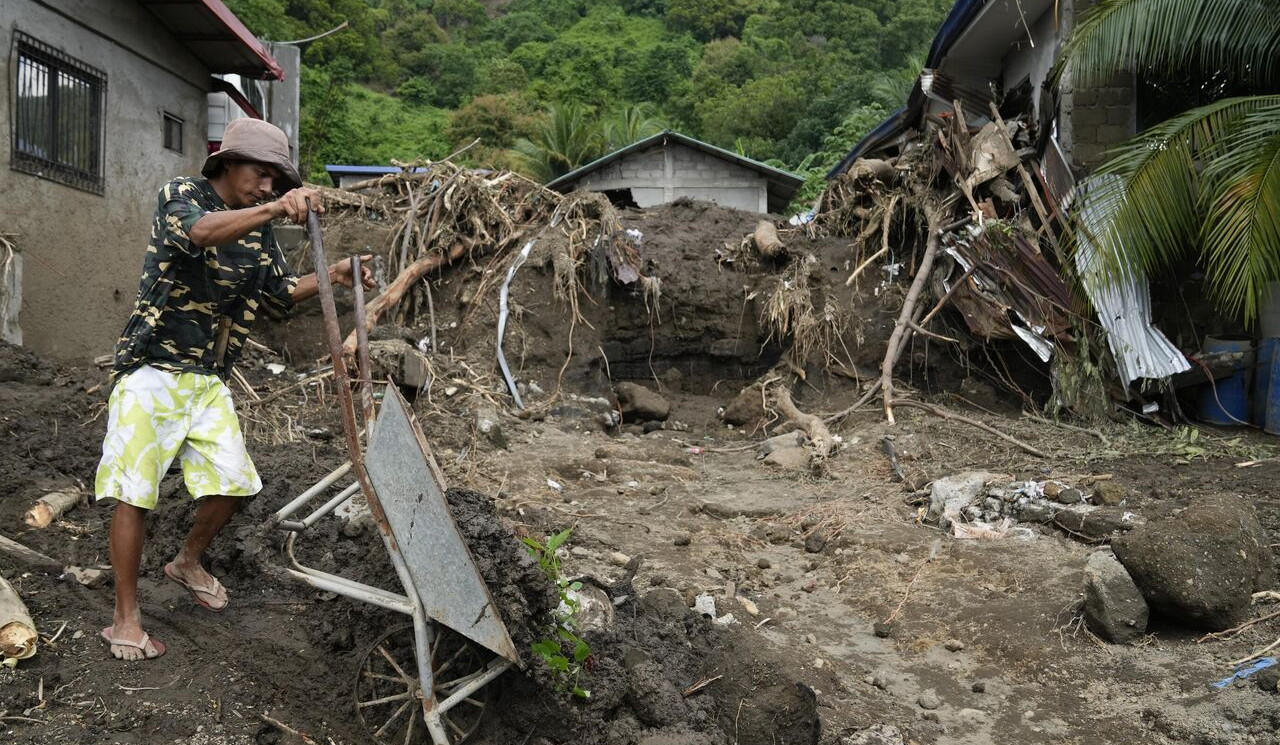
x: 566, y: 668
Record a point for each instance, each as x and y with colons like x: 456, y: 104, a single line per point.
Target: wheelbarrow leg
x: 431, y: 715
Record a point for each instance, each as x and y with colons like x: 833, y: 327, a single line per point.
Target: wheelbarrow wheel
x: 388, y: 692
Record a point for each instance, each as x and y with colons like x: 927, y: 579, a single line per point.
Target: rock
x: 882, y: 629
x: 782, y: 442
x: 931, y: 716
x: 809, y: 585
x: 929, y: 701
x: 653, y: 697
x: 816, y: 541
x: 967, y: 713
x: 1096, y: 523
x: 1200, y: 566
x: 978, y: 687
x: 763, y: 563
x: 1053, y: 488
x: 1113, y: 606
x: 952, y: 494
x: 639, y: 404
x: 487, y: 424
x: 789, y: 459
x: 682, y: 539
x: 880, y: 681
x: 1069, y: 496
x: 1269, y: 679
x: 749, y: 607
x: 746, y: 408
x: 706, y: 605
x: 880, y: 734
x: 1109, y: 493
x: 818, y: 663
x: 953, y: 645
x: 92, y: 578
x: 810, y: 639
x: 653, y: 426
x: 598, y: 412
x: 786, y: 614
x: 619, y: 559
x: 713, y: 573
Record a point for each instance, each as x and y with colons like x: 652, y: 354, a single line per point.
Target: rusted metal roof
x: 216, y: 37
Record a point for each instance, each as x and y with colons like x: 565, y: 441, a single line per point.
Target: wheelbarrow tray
x: 407, y: 485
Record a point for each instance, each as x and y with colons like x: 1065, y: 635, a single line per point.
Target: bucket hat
x: 256, y: 140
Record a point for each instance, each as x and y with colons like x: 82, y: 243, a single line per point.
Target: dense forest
x: 548, y: 85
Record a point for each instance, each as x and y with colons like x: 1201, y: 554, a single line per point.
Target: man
x: 212, y: 262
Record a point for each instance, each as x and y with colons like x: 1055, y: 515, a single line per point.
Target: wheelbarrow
x: 429, y: 674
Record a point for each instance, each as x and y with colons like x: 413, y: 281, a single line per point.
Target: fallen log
x: 813, y: 426
x: 17, y: 630
x: 767, y: 241
x: 28, y: 557
x: 397, y: 289
x: 49, y: 508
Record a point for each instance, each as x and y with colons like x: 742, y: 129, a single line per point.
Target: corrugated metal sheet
x: 1123, y: 301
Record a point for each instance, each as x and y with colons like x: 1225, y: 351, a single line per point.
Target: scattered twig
x: 945, y: 414
x: 286, y: 728
x: 1228, y: 633
x: 933, y: 553
x: 1255, y: 655
x: 699, y: 686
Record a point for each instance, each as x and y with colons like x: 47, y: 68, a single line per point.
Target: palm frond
x: 1241, y: 235
x: 1159, y: 217
x: 1238, y: 37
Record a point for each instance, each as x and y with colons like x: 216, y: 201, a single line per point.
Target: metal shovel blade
x: 407, y: 483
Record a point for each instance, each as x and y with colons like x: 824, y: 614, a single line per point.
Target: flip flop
x: 156, y: 646
x: 198, y: 590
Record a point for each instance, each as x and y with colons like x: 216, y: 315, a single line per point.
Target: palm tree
x: 566, y: 138
x: 1205, y: 183
x: 631, y: 124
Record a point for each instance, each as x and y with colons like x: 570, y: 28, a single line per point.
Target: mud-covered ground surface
x: 986, y: 644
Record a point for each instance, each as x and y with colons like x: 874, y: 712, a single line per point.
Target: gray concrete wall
x: 83, y: 252
x: 660, y: 175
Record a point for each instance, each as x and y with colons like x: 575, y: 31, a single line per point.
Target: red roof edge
x: 237, y: 96
x: 272, y: 69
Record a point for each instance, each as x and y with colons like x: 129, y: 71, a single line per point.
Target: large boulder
x: 1201, y: 566
x: 639, y: 404
x: 1113, y: 606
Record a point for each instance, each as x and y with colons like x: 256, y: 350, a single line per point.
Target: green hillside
x: 550, y: 84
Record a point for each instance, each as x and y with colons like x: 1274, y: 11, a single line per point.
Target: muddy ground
x: 987, y: 643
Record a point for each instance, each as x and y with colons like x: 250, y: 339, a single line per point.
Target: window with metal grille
x: 58, y: 130
x: 172, y: 132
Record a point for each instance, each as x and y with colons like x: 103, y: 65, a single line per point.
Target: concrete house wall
x: 82, y: 252
x: 661, y: 174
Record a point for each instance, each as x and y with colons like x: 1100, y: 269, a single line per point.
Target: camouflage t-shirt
x: 196, y: 304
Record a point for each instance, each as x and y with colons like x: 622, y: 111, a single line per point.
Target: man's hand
x: 341, y: 271
x: 293, y: 205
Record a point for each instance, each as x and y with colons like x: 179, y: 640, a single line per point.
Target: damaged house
x: 107, y: 101
x: 1017, y: 147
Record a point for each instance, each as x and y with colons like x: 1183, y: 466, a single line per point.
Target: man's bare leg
x: 211, y: 517
x: 128, y: 529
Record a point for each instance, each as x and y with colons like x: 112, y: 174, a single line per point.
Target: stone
x: 786, y: 614
x: 1201, y: 566
x: 639, y: 404
x: 705, y: 604
x: 978, y: 687
x: 809, y: 585
x: 968, y: 713
x: 653, y: 426
x: 88, y: 577
x: 1113, y: 606
x: 682, y: 539
x: 745, y: 409
x: 953, y: 645
x: 782, y: 442
x: 619, y: 559
x: 1053, y: 488
x: 1109, y: 493
x: 789, y: 459
x: 634, y: 656
x: 1269, y: 679
x: 488, y: 425
x: 882, y: 629
x: 749, y: 607
x: 763, y: 563
x: 816, y: 541
x: 880, y: 734
x: 818, y: 663
x: 880, y: 681
x: 952, y: 494
x: 1069, y: 496
x: 929, y: 701
x: 1096, y: 523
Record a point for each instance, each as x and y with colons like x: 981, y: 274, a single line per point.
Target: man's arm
x: 340, y: 272
x: 227, y: 226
